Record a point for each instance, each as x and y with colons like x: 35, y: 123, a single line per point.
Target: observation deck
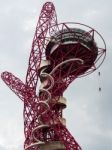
x: 72, y: 43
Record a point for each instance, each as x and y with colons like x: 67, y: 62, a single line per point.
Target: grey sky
x: 89, y: 111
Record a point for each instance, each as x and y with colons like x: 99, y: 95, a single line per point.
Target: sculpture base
x: 56, y: 145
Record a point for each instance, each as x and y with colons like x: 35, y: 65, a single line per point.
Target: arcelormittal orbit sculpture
x: 60, y: 53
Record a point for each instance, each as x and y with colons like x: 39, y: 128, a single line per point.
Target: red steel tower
x: 60, y: 53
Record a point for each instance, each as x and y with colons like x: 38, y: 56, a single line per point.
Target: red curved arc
x: 46, y: 19
x: 66, y: 137
x: 15, y: 84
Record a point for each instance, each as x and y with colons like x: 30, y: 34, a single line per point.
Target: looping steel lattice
x: 60, y: 53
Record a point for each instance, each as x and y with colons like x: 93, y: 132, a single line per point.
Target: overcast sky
x: 89, y: 111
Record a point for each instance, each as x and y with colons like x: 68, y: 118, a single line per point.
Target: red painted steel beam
x: 47, y: 18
